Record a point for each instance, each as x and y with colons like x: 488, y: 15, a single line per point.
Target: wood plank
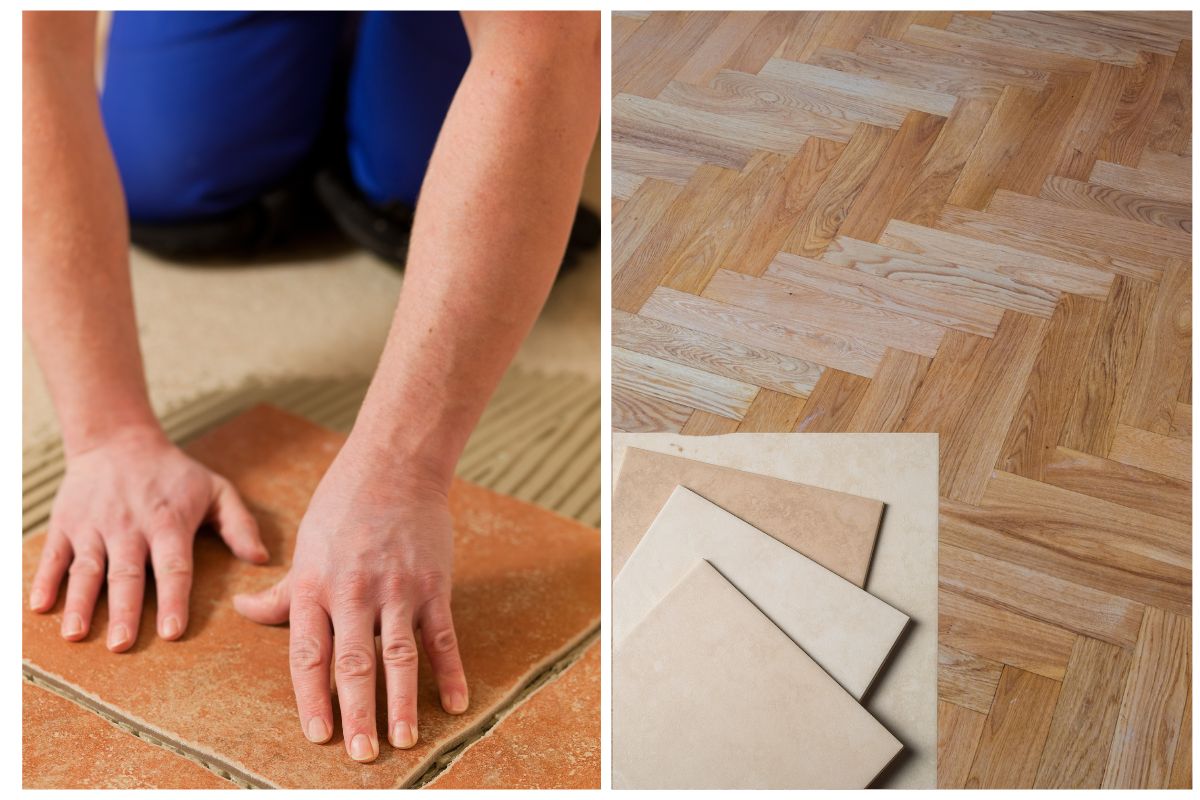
x: 1131, y: 29
x: 1181, y: 422
x: 881, y: 92
x: 833, y: 314
x: 782, y: 96
x: 726, y: 39
x: 998, y: 145
x: 935, y: 180
x: 1181, y: 767
x: 1006, y: 28
x: 967, y: 680
x: 772, y: 412
x: 637, y: 413
x: 765, y: 235
x: 637, y: 160
x: 714, y: 354
x: 850, y: 283
x: 622, y: 28
x: 1037, y: 423
x: 959, y: 730
x: 966, y: 566
x: 1119, y: 483
x: 702, y: 423
x: 774, y: 119
x: 938, y: 401
x: 1171, y: 123
x: 833, y: 403
x: 997, y: 52
x: 925, y: 272
x: 624, y: 184
x: 1085, y: 716
x: 693, y: 265
x: 1036, y: 154
x: 997, y: 634
x: 639, y: 216
x: 882, y: 407
x: 980, y: 69
x: 1130, y: 130
x: 1031, y: 268
x: 889, y: 181
x: 1093, y: 118
x: 1106, y: 200
x: 653, y: 54
x: 1153, y: 705
x: 1015, y: 732
x: 798, y: 338
x: 961, y: 83
x: 825, y: 213
x: 971, y: 445
x: 1163, y: 359
x: 1175, y: 188
x: 768, y: 36
x: 1152, y: 451
x: 1095, y: 409
x: 684, y: 386
x: 652, y: 34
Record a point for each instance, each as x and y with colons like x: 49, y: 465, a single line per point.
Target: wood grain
x: 959, y: 730
x: 1011, y: 743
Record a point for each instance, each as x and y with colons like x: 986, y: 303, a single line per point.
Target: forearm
x: 493, y: 219
x: 78, y: 303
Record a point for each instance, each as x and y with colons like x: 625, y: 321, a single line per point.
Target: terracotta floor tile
x: 99, y: 754
x: 550, y: 741
x: 527, y: 589
x: 835, y: 529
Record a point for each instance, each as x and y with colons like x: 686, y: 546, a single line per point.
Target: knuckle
x: 306, y: 588
x: 355, y: 661
x: 174, y: 565
x: 125, y: 573
x: 353, y: 588
x: 400, y: 653
x: 306, y: 653
x: 86, y: 566
x: 443, y: 642
x: 433, y: 584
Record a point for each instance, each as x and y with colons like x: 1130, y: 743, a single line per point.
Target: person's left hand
x: 372, y: 553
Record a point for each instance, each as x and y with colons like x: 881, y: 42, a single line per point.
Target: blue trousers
x: 206, y: 110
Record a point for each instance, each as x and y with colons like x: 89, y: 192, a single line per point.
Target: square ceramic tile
x: 550, y: 741
x: 526, y: 591
x: 708, y: 693
x: 65, y: 746
x: 840, y: 626
x: 835, y: 529
x: 901, y: 470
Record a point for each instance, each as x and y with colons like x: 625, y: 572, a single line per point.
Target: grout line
x: 446, y: 761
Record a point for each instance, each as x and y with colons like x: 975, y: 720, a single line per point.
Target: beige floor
x: 204, y: 330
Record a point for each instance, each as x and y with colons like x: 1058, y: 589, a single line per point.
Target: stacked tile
x: 742, y: 652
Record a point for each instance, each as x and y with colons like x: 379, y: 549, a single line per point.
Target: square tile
x: 840, y: 626
x: 550, y: 741
x: 65, y: 746
x: 708, y: 693
x: 900, y: 469
x: 526, y: 590
x: 835, y: 529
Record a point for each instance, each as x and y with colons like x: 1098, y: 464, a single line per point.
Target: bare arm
x: 374, y: 548
x: 128, y: 494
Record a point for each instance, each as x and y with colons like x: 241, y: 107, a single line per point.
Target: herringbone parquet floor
x: 977, y: 224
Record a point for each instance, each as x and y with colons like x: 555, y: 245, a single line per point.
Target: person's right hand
x: 133, y: 496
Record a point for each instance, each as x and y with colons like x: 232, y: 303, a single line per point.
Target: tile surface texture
x: 52, y: 726
x: 551, y: 741
x: 846, y: 630
x: 708, y: 693
x: 901, y: 471
x: 526, y: 591
x: 1017, y: 186
x: 834, y: 529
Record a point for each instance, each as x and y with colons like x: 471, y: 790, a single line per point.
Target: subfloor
x: 976, y: 224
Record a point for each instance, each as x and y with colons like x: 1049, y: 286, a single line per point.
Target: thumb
x: 268, y: 607
x: 235, y: 523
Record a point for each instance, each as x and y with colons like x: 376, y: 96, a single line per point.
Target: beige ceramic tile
x: 901, y: 471
x: 841, y: 627
x: 834, y: 529
x: 708, y: 693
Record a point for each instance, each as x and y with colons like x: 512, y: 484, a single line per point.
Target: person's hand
x: 133, y: 496
x: 373, y: 552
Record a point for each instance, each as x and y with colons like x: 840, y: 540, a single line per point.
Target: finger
x: 309, y: 653
x: 235, y: 523
x: 56, y: 557
x: 83, y: 587
x: 126, y: 590
x: 400, y: 674
x: 441, y: 645
x: 268, y: 607
x: 354, y: 674
x: 171, y: 557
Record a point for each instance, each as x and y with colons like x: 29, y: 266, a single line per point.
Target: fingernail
x: 361, y: 748
x: 404, y: 735
x: 118, y: 636
x: 37, y: 599
x: 456, y: 703
x: 72, y: 625
x: 170, y: 628
x: 317, y: 731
